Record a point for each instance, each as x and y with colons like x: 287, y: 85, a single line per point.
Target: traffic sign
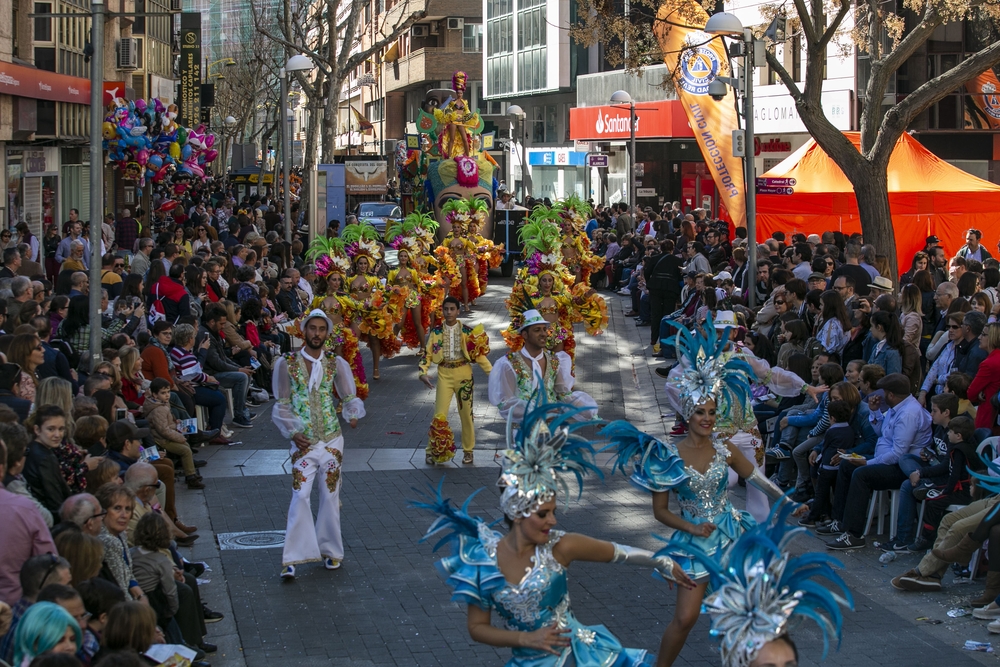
x: 775, y: 182
x: 597, y: 160
x: 769, y: 190
x: 645, y: 192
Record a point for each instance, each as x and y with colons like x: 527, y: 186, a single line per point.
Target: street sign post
x: 597, y: 160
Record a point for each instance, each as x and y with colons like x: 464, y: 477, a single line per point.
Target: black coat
x: 41, y: 471
x: 19, y: 405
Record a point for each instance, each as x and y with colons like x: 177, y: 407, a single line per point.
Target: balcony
x: 431, y: 63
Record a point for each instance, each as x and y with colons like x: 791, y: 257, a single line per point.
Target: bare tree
x: 338, y: 39
x: 888, y: 39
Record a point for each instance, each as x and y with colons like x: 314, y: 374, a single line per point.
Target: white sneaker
x: 988, y: 613
x: 226, y: 432
x: 288, y: 572
x: 625, y: 292
x: 994, y: 627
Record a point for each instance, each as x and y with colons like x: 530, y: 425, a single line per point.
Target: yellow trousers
x: 456, y: 382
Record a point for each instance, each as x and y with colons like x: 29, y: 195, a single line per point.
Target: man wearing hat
x: 816, y: 280
x: 879, y: 286
x: 454, y: 347
x: 516, y: 376
x: 303, y: 384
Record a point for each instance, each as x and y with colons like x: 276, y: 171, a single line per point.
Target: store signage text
x: 771, y: 146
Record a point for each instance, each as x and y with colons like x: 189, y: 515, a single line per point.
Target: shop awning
x: 39, y: 84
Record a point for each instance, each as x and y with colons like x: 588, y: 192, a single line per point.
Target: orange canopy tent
x: 926, y: 196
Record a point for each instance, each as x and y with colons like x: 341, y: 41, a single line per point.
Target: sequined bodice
x: 707, y: 495
x: 540, y: 598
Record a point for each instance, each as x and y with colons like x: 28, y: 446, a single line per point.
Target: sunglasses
x: 954, y: 326
x: 779, y: 303
x: 119, y: 266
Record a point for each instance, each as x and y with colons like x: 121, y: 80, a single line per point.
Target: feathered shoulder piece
x: 709, y: 373
x: 648, y: 463
x: 758, y: 588
x: 547, y: 444
x: 471, y: 568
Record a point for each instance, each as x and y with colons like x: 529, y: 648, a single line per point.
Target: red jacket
x: 984, y: 388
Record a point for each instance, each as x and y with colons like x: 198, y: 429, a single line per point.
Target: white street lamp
x: 516, y: 113
x: 727, y: 25
x: 299, y: 63
x: 622, y: 98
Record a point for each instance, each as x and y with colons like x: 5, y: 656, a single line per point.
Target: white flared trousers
x: 306, y: 540
x: 758, y: 503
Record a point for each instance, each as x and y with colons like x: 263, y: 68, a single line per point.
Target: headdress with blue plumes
x: 647, y: 462
x: 707, y: 373
x: 985, y: 480
x: 544, y: 446
x: 758, y: 588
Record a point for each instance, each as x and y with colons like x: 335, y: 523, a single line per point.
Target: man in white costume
x: 305, y: 413
x: 515, y: 377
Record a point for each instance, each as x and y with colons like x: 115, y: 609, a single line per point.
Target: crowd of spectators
x: 909, y: 368
x: 91, y: 563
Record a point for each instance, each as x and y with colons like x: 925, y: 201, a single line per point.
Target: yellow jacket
x: 475, y: 347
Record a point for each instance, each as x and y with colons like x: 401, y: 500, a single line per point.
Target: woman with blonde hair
x: 84, y: 552
x: 27, y: 352
x: 241, y: 348
x: 133, y: 382
x: 911, y: 315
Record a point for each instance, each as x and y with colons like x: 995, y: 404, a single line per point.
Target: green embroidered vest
x: 316, y: 409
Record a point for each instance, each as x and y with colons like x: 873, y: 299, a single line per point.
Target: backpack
x: 157, y: 311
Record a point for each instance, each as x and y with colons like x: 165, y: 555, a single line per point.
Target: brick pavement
x: 387, y: 605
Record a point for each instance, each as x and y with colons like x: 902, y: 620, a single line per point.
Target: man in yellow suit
x: 454, y: 347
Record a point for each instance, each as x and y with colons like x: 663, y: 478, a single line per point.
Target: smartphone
x: 120, y: 414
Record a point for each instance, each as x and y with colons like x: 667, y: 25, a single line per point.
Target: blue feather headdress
x: 546, y: 444
x: 707, y: 373
x: 759, y: 587
x: 984, y: 480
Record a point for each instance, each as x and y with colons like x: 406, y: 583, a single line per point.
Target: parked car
x: 378, y: 213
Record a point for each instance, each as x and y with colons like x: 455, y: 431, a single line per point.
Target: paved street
x: 387, y: 604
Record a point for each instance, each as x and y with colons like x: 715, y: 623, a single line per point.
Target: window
x: 499, y: 46
x: 537, y: 121
x: 43, y: 26
x: 374, y: 111
x: 45, y: 58
x: 139, y: 26
x: 472, y: 38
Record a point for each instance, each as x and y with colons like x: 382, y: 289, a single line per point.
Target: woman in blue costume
x: 696, y: 469
x: 760, y: 589
x: 522, y: 575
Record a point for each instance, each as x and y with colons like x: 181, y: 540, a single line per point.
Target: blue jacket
x: 887, y: 358
x: 811, y: 418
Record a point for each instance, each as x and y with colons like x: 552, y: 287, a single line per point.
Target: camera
x: 717, y: 90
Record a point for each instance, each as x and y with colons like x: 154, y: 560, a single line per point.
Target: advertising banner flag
x: 694, y: 58
x: 982, y: 109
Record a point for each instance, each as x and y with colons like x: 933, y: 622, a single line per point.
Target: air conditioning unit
x: 175, y: 5
x: 456, y: 24
x: 128, y: 53
x: 418, y: 31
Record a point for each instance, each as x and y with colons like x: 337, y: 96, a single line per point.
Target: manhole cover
x: 267, y: 539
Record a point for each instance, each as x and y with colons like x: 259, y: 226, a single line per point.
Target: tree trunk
x: 872, y: 193
x: 329, y: 130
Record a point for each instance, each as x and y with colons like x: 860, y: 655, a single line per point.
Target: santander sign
x: 614, y: 124
x: 662, y: 119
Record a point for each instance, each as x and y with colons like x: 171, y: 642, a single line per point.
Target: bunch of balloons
x: 144, y: 140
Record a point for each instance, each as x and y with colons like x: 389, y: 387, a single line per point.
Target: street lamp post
x: 622, y: 98
x: 728, y: 25
x: 297, y: 63
x: 517, y: 113
x: 96, y: 173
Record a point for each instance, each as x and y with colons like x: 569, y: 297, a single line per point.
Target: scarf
x: 536, y: 367
x: 316, y: 372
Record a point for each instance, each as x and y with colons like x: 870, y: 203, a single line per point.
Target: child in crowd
x: 958, y: 384
x: 99, y: 596
x: 870, y: 375
x: 156, y: 410
x: 839, y: 438
x: 948, y: 482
